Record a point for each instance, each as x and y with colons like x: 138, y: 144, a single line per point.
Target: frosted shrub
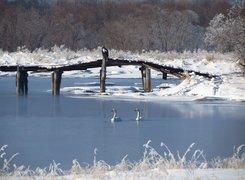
x: 76, y: 167
x: 54, y: 169
x: 209, y: 57
x: 237, y: 161
x: 5, y: 163
x: 124, y: 165
x: 152, y: 159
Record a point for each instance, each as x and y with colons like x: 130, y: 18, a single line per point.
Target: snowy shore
x: 229, y: 86
x: 154, y: 174
x: 152, y: 166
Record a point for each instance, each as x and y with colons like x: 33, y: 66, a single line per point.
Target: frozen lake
x: 42, y: 128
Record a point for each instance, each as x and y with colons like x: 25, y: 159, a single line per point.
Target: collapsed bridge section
x: 145, y: 68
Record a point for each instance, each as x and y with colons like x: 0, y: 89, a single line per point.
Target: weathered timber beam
x: 27, y: 68
x: 81, y: 66
x: 178, y: 72
x: 207, y: 75
x: 8, y: 68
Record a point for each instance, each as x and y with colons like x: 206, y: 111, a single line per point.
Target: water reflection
x: 64, y: 106
x: 21, y: 106
x: 56, y: 107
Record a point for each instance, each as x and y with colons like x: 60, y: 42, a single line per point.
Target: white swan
x: 138, y: 117
x: 115, y: 118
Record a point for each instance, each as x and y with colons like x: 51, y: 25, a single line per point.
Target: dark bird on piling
x: 105, y: 52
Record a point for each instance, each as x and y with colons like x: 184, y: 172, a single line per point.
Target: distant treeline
x: 164, y: 25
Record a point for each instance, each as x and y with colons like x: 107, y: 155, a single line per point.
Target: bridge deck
x: 179, y: 72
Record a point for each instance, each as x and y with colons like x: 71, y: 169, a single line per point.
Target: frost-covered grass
x: 189, y: 164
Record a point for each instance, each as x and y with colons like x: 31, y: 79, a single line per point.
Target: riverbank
x: 228, y: 86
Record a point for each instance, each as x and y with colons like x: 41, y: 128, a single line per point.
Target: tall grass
x: 151, y: 160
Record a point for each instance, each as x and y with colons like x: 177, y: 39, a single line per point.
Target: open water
x: 42, y: 128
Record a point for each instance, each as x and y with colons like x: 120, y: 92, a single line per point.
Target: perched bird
x: 138, y: 117
x: 115, y: 118
x: 105, y: 51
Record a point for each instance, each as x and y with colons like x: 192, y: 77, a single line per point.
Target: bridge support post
x: 21, y: 81
x: 164, y: 76
x: 103, y: 70
x: 146, y: 78
x: 56, y: 81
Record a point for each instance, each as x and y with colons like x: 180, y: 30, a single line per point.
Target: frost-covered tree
x: 166, y: 25
x: 227, y: 33
x: 29, y: 31
x: 174, y: 30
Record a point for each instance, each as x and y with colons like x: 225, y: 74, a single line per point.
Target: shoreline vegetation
x: 188, y: 164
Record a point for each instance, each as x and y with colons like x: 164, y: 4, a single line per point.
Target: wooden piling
x: 21, y: 81
x: 56, y: 82
x: 103, y: 70
x: 146, y: 78
x: 53, y: 82
x: 147, y: 84
x: 164, y: 76
x: 18, y: 82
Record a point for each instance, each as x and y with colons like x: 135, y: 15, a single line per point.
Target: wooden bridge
x: 145, y: 68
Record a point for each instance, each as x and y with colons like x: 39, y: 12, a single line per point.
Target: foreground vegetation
x: 151, y: 160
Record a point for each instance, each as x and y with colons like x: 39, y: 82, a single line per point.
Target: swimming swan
x: 138, y: 117
x: 115, y: 118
